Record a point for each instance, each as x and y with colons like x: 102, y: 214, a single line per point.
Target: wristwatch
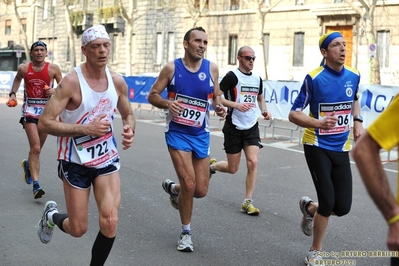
x: 358, y: 118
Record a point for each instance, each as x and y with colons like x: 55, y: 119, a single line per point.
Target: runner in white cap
x: 86, y: 101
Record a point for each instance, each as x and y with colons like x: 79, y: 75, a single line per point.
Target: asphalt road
x: 149, y: 227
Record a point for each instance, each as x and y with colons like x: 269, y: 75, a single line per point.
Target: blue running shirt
x: 326, y: 91
x: 196, y: 92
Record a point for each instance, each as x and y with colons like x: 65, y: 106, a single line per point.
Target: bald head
x: 244, y: 49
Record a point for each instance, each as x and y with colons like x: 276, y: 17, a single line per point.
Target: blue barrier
x: 139, y: 87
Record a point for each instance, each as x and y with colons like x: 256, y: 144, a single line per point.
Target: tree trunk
x: 26, y: 46
x: 72, y: 58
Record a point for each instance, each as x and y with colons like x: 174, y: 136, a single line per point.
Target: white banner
x: 280, y: 96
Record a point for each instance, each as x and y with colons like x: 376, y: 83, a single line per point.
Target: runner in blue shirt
x: 331, y: 93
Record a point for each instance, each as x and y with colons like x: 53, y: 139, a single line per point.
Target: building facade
x: 148, y: 34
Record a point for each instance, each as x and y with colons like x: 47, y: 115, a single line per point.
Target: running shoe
x: 167, y: 186
x: 212, y: 161
x: 38, y: 192
x: 185, y: 243
x: 26, y: 174
x: 45, y: 228
x: 307, y: 220
x: 313, y: 258
x: 248, y: 208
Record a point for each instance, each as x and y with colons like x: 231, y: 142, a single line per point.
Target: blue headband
x: 328, y: 38
x: 38, y: 43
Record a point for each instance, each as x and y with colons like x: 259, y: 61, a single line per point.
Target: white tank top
x: 247, y: 92
x: 90, y: 151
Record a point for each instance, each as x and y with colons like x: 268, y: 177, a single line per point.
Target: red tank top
x: 35, y: 81
x: 34, y: 96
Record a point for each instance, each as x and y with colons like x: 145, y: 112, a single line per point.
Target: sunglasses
x: 249, y: 57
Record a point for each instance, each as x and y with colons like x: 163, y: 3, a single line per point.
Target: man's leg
x: 77, y: 206
x: 183, y: 164
x: 320, y: 223
x: 233, y: 146
x: 230, y: 166
x: 107, y: 193
x: 251, y: 155
x: 36, y: 142
x: 394, y: 261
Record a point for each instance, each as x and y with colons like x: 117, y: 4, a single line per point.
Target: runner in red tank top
x: 38, y: 77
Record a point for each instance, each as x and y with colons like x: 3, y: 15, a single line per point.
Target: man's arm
x: 262, y: 103
x: 217, y: 99
x: 366, y: 154
x: 358, y: 129
x: 22, y: 69
x: 126, y: 112
x: 155, y: 98
x: 298, y: 117
x: 227, y: 84
x: 55, y: 74
x: 68, y: 90
x: 160, y: 84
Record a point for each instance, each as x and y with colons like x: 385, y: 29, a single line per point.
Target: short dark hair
x: 38, y: 43
x: 188, y: 33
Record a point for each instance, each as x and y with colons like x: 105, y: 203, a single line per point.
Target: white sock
x: 186, y: 227
x: 50, y: 216
x: 173, y: 190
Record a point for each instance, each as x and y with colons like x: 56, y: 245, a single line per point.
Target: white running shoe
x: 45, y: 228
x: 185, y: 243
x: 307, y: 220
x: 313, y: 258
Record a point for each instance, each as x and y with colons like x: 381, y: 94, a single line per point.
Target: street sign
x: 372, y: 50
x: 18, y: 53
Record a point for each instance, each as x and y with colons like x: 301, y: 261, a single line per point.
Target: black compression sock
x: 101, y: 248
x: 58, y: 219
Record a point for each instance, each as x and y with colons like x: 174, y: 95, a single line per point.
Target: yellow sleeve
x: 385, y: 129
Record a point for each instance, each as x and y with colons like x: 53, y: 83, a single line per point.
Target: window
x: 24, y: 1
x: 234, y: 4
x: 339, y: 1
x: 8, y: 27
x: 133, y: 49
x: 266, y: 45
x: 233, y: 39
x: 23, y: 22
x: 52, y: 9
x: 68, y: 53
x: 383, y: 48
x: 159, y: 48
x: 114, y: 41
x: 199, y: 3
x: 45, y: 9
x: 299, y: 40
x: 82, y: 57
x: 171, y: 46
x: 134, y: 4
x: 84, y: 3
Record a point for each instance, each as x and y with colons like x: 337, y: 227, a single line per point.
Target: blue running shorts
x: 199, y: 145
x: 82, y: 177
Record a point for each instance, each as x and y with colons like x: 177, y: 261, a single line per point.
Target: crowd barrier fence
x: 279, y: 97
